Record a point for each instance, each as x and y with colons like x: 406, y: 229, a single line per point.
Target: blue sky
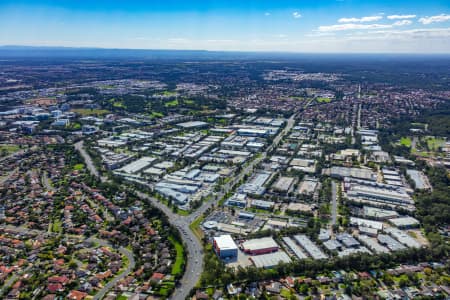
x: 247, y: 25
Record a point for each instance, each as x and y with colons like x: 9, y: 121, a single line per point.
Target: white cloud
x: 360, y: 20
x: 352, y: 26
x: 402, y: 23
x: 178, y: 40
x: 404, y: 35
x: 400, y: 17
x: 296, y: 15
x: 434, y: 19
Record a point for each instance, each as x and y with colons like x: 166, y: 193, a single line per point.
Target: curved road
x: 194, y: 264
x: 131, y: 264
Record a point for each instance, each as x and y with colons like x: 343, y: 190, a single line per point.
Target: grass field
x: 169, y: 93
x: 177, y: 267
x: 195, y: 227
x: 78, y: 167
x: 156, y: 114
x: 7, y: 149
x: 90, y: 112
x: 420, y: 125
x: 57, y: 226
x: 434, y: 144
x: 172, y: 103
x: 298, y: 98
x: 323, y: 100
x: 405, y: 141
x: 118, y: 104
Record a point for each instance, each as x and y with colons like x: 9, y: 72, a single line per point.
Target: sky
x: 319, y: 26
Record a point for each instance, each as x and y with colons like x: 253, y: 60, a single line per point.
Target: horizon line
x: 54, y: 47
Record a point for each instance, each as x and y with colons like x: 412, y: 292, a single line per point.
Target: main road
x: 194, y: 247
x: 333, y: 202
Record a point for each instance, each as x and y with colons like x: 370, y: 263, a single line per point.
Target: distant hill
x: 104, y: 53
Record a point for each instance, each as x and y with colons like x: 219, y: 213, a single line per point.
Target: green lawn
x: 286, y: 293
x: 90, y: 112
x: 7, y: 149
x: 169, y: 93
x: 57, y: 226
x: 118, y: 104
x: 156, y: 114
x: 405, y: 141
x: 195, y: 227
x: 78, y: 167
x: 323, y: 99
x: 298, y: 98
x: 172, y: 103
x: 434, y: 144
x: 177, y: 267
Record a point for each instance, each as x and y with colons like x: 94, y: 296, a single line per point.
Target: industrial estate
x: 262, y: 180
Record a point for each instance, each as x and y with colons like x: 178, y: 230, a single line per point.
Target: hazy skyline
x: 291, y: 26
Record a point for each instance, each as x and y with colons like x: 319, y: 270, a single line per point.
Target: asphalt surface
x: 333, y: 202
x: 88, y: 160
x: 194, y: 263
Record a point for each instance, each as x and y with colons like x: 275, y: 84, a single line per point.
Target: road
x: 194, y: 263
x: 333, y: 202
x: 358, y: 122
x: 46, y: 182
x: 194, y: 247
x: 88, y: 160
x: 7, y: 177
x: 130, y: 267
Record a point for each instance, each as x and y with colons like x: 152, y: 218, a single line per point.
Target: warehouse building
x: 379, y: 213
x: 268, y: 261
x: 238, y: 200
x: 403, y: 237
x: 283, y: 184
x: 347, y: 240
x: 253, y: 132
x: 405, y: 222
x: 193, y: 124
x: 376, y: 192
x: 137, y: 165
x: 366, y: 223
x: 294, y: 248
x: 260, y: 246
x: 372, y: 244
x: 262, y: 204
x: 421, y: 181
x: 225, y: 247
x: 312, y: 249
x: 389, y: 242
x: 341, y: 172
